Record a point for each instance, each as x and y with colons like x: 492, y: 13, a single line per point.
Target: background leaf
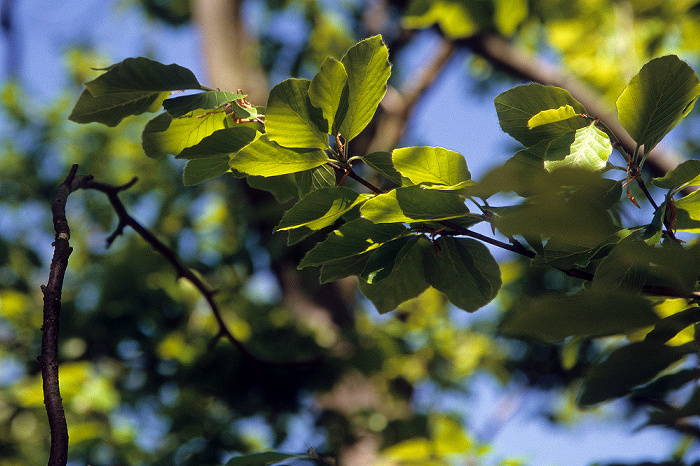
x: 656, y: 99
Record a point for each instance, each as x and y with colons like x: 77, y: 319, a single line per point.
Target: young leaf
x: 656, y: 99
x: 222, y: 142
x: 326, y: 90
x: 179, y: 106
x: 167, y: 135
x: 263, y: 157
x: 552, y: 115
x: 199, y: 170
x: 465, y: 271
x: 431, y: 165
x: 517, y: 106
x: 368, y: 69
x: 627, y: 367
x: 406, y: 279
x: 320, y: 208
x: 588, y: 313
x: 290, y: 119
x: 685, y: 174
x: 414, y: 204
x: 587, y: 148
x: 111, y: 109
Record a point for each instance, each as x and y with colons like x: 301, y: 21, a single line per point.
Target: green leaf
x: 685, y: 174
x: 676, y: 417
x: 199, y: 170
x: 222, y: 142
x: 453, y: 18
x: 383, y: 259
x: 351, y: 239
x: 588, y: 313
x: 320, y: 208
x: 368, y: 69
x: 316, y: 178
x: 587, y: 147
x: 179, y: 106
x: 406, y: 279
x: 327, y: 88
x: 290, y: 119
x: 263, y: 157
x: 625, y: 368
x: 111, y: 109
x: 341, y: 268
x: 656, y: 99
x: 381, y: 162
x: 517, y: 106
x: 142, y: 74
x: 414, y: 204
x: 465, y: 271
x: 431, y: 165
x: 672, y: 325
x: 167, y: 135
x: 688, y: 213
x: 661, y: 386
x: 283, y: 187
x: 262, y: 459
x: 633, y: 264
x: 517, y: 174
x: 553, y: 115
x: 654, y: 231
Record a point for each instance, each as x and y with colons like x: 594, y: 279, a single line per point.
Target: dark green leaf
x: 656, y: 99
x: 625, y: 368
x: 225, y: 141
x: 368, y: 69
x: 263, y: 157
x: 199, y: 170
x: 111, y: 109
x: 660, y: 387
x: 465, y: 271
x: 383, y: 259
x: 674, y: 417
x: 382, y: 164
x: 517, y: 106
x: 517, y: 174
x: 406, y: 279
x: 283, y: 187
x: 587, y: 313
x: 142, y: 74
x: 672, y: 325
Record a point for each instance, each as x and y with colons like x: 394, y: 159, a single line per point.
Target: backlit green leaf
x: 656, y: 99
x: 320, y: 208
x: 688, y: 213
x: 588, y: 313
x: 587, y: 147
x: 167, y: 135
x: 517, y: 106
x: 625, y: 368
x: 685, y: 174
x: 326, y: 90
x: 552, y: 115
x: 263, y: 157
x: 414, y: 204
x: 291, y: 120
x: 316, y: 178
x: 199, y: 170
x: 368, y: 69
x: 431, y: 165
x: 465, y: 271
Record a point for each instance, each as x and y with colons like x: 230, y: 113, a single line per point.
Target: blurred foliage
x: 140, y: 380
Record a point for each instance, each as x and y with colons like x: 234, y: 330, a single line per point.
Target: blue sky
x: 117, y: 30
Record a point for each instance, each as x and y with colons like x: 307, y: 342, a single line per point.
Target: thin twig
x: 112, y: 193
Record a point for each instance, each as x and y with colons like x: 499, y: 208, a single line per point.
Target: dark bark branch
x: 52, y: 312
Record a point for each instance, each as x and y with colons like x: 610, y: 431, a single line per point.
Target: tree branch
x: 52, y: 312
